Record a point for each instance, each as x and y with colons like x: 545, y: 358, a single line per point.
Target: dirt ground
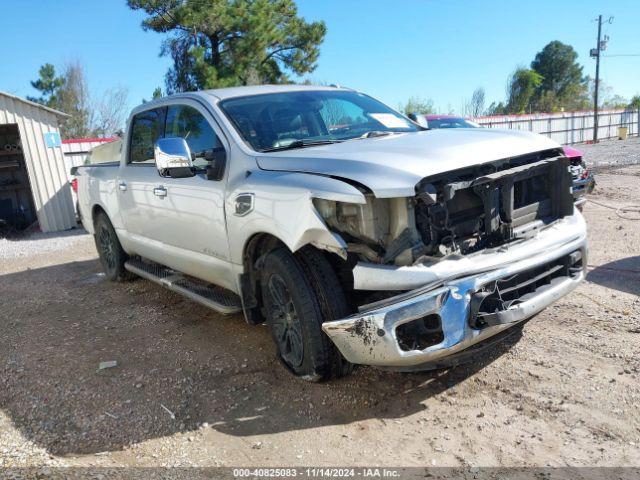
x: 193, y: 388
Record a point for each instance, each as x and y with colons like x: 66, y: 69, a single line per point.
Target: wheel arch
x: 319, y: 268
x: 254, y: 251
x: 90, y: 223
x: 95, y: 211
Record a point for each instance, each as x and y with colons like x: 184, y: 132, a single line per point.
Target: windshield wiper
x: 374, y: 133
x: 300, y: 144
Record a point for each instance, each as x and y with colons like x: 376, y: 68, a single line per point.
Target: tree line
x: 555, y: 82
x: 222, y: 43
x: 90, y: 115
x: 213, y: 44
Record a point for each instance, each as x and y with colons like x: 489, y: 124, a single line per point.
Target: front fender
x: 283, y: 207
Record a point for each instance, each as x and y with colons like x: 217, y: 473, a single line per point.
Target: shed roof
x: 35, y: 104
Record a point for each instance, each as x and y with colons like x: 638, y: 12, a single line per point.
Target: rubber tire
x: 117, y: 273
x: 320, y: 358
x: 331, y: 297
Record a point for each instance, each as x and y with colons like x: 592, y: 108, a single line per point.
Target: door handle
x: 122, y: 186
x: 160, y: 191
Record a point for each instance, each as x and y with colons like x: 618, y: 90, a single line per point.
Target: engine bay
x: 457, y: 212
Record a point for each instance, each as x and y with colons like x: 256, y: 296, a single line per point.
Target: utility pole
x: 595, y: 95
x: 595, y: 52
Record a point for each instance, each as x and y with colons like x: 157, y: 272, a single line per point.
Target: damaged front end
x: 474, y: 252
x: 493, y: 204
x: 458, y: 212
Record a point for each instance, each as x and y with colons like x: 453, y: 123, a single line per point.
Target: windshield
x: 299, y: 119
x: 452, y: 122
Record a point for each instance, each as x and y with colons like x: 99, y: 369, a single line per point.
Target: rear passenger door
x: 138, y: 206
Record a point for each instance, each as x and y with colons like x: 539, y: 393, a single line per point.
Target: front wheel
x: 295, y: 310
x: 112, y: 256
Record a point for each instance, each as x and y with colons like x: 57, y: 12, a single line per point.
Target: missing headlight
x: 378, y: 230
x: 368, y: 222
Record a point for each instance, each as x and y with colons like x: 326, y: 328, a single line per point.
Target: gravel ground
x: 611, y: 152
x: 40, y: 244
x: 193, y: 388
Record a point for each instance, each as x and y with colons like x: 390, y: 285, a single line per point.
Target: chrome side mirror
x: 173, y: 158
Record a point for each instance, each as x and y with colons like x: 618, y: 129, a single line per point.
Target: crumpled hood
x: 391, y: 166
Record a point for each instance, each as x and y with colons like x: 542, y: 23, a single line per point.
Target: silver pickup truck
x: 358, y: 236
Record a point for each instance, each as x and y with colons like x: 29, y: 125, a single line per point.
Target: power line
x: 623, y: 55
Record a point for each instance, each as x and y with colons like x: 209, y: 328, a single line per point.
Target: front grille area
x: 489, y: 205
x: 502, y: 294
x: 532, y: 190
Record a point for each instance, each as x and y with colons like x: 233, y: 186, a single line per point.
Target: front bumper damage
x: 474, y: 302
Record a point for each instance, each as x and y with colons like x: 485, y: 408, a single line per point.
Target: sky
x: 392, y: 50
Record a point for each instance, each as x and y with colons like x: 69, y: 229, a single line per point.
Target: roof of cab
x: 234, y: 92
x: 224, y: 93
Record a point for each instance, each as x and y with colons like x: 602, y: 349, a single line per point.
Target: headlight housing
x: 368, y: 222
x: 383, y: 228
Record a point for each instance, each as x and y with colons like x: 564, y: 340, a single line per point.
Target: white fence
x: 568, y: 127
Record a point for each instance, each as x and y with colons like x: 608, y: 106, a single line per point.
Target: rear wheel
x: 112, y: 256
x: 295, y: 309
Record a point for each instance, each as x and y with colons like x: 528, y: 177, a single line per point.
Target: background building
x: 33, y: 178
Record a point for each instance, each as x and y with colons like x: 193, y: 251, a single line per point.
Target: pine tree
x: 48, y: 85
x: 220, y: 43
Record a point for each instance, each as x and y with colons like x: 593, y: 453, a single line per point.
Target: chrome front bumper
x: 370, y: 337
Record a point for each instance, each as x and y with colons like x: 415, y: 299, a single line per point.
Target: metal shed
x: 33, y: 180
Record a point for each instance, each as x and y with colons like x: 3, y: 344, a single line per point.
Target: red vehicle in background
x: 583, y: 180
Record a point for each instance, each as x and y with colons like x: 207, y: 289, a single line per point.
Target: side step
x: 217, y: 298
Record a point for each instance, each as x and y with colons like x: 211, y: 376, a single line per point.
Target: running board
x: 217, y: 298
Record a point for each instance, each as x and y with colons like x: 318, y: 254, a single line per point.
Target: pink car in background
x: 583, y: 180
x: 449, y: 121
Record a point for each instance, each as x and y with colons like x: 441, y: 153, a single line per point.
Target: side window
x: 146, y: 128
x: 186, y: 122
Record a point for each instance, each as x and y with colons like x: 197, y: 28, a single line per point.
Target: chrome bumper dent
x: 370, y: 337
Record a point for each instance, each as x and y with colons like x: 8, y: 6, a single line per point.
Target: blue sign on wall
x: 52, y: 139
